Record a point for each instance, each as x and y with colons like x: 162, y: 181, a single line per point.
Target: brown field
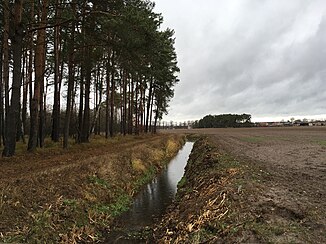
x: 271, y: 181
x: 288, y: 193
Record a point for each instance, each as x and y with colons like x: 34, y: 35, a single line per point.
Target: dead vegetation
x: 240, y: 189
x: 203, y: 200
x: 72, y: 197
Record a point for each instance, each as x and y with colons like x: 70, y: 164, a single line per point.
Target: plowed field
x: 285, y: 183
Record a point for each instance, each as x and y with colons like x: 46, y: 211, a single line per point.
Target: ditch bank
x: 206, y: 206
x: 75, y: 198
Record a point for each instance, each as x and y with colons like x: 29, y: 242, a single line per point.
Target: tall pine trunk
x: 37, y: 110
x: 148, y: 108
x: 81, y: 103
x: 142, y: 108
x: 96, y: 125
x: 86, y: 116
x: 71, y: 80
x: 25, y: 95
x: 107, y: 100
x: 20, y: 128
x: 1, y: 95
x: 55, y: 135
x: 131, y: 105
x: 136, y: 110
x: 124, y: 116
x: 14, y: 109
x: 30, y: 60
x: 112, y: 104
x: 6, y: 56
x: 151, y: 114
x: 155, y: 120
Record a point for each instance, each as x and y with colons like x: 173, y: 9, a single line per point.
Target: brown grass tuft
x: 138, y: 165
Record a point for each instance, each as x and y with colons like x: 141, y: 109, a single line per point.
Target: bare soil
x: 271, y: 181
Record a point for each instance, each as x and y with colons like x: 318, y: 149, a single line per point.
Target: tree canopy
x: 82, y: 67
x: 224, y: 121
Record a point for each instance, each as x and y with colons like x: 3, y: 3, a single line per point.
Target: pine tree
x: 16, y: 37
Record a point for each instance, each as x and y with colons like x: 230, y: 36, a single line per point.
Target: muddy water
x: 152, y: 201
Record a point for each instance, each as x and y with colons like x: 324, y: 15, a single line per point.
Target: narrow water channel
x: 156, y: 196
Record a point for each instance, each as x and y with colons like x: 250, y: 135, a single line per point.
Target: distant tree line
x: 224, y: 121
x: 70, y: 68
x: 175, y: 125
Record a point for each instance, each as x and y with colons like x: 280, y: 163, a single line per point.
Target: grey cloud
x: 266, y: 57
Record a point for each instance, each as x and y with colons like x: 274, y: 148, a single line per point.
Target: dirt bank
x: 69, y: 196
x: 251, y: 186
x: 204, y: 202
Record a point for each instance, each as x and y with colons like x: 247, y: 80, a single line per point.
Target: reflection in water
x: 152, y: 201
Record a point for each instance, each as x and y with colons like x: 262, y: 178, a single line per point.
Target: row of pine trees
x: 83, y: 62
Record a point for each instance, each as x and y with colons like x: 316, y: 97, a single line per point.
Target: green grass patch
x: 200, y: 236
x: 183, y: 188
x: 253, y: 139
x: 121, y: 205
x: 182, y: 182
x: 226, y: 161
x: 140, y: 235
x: 41, y: 228
x: 146, y: 177
x: 321, y: 142
x: 267, y: 231
x: 98, y: 181
x: 70, y: 202
x: 114, y: 209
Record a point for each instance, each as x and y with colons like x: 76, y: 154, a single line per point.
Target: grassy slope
x: 56, y: 196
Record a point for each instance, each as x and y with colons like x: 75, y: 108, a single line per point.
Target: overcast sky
x: 263, y: 57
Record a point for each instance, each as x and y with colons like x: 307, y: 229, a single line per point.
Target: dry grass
x: 171, y: 148
x: 138, y: 165
x: 69, y: 196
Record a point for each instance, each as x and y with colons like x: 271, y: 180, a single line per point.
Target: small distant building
x: 287, y: 124
x: 317, y: 123
x: 304, y: 124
